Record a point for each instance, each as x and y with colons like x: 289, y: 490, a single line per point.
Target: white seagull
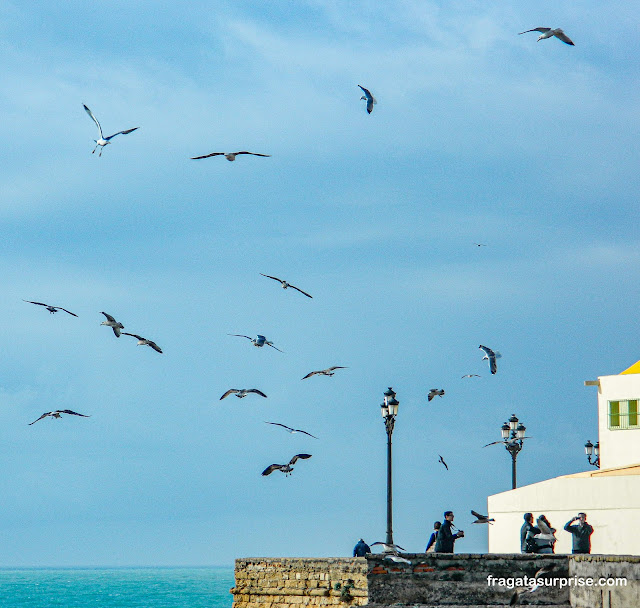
x: 230, y: 156
x: 287, y: 469
x: 371, y: 100
x: 290, y: 430
x: 286, y: 285
x: 56, y: 414
x: 104, y: 141
x: 241, y: 393
x: 435, y: 391
x: 113, y: 324
x: 144, y: 342
x: 547, y: 32
x: 388, y: 548
x: 330, y: 371
x: 491, y: 356
x: 51, y: 309
x: 259, y: 341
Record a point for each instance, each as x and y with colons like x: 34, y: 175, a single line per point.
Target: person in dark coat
x: 361, y: 549
x: 527, y: 532
x: 446, y: 538
x: 581, y: 533
x: 434, y: 535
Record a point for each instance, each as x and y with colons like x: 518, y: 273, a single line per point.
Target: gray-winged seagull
x: 286, y: 285
x: 491, y: 356
x: 231, y: 156
x: 371, y: 100
x: 435, y: 392
x: 112, y: 323
x: 104, y: 141
x: 51, y: 309
x: 287, y: 469
x: 259, y: 341
x: 56, y: 414
x: 330, y: 371
x: 240, y: 393
x: 144, y: 342
x: 481, y: 519
x: 547, y: 32
x: 290, y: 430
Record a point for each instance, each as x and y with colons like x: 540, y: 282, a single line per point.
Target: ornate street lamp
x: 513, y: 433
x: 593, y: 450
x: 389, y: 412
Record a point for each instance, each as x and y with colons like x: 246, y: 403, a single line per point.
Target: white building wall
x: 612, y: 504
x: 617, y: 447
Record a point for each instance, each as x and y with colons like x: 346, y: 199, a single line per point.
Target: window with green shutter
x: 614, y: 414
x: 623, y: 414
x: 633, y: 413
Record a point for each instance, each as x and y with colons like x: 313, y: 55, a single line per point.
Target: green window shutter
x: 633, y: 413
x: 614, y: 414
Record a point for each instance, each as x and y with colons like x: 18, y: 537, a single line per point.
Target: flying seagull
x: 104, y: 141
x: 144, y: 342
x: 389, y: 548
x: 435, y: 391
x: 472, y: 376
x: 241, y: 393
x: 56, y: 414
x: 371, y: 101
x: 509, y: 442
x: 396, y: 558
x: 480, y: 244
x: 286, y: 285
x: 481, y: 519
x: 230, y: 156
x: 259, y: 341
x: 113, y: 324
x: 547, y: 32
x: 330, y: 371
x: 290, y: 430
x: 518, y: 591
x: 287, y: 469
x: 491, y: 356
x: 443, y: 462
x: 51, y: 309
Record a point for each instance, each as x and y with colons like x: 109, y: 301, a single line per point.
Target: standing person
x: 431, y: 545
x: 546, y: 539
x: 446, y: 538
x: 581, y: 533
x: 527, y: 526
x: 361, y: 549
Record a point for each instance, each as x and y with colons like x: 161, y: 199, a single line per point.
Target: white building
x: 609, y: 495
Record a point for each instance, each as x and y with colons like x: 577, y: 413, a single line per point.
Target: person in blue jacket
x: 361, y: 549
x: 434, y: 535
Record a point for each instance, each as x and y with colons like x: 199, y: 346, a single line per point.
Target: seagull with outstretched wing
x: 435, y: 392
x: 57, y: 414
x: 112, y: 323
x: 506, y: 441
x: 547, y: 32
x: 388, y: 548
x: 258, y: 341
x: 491, y: 356
x: 240, y: 393
x: 287, y: 469
x: 144, y: 341
x: 286, y: 285
x: 230, y: 156
x: 51, y: 309
x: 371, y: 100
x: 481, y: 519
x: 443, y: 462
x: 104, y: 141
x: 291, y: 430
x: 330, y: 371
x: 472, y: 376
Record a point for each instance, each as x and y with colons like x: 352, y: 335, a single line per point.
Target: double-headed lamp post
x: 389, y: 412
x: 512, y: 436
x: 593, y: 450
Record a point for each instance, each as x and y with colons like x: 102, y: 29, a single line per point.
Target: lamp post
x: 389, y: 409
x: 593, y: 450
x: 512, y: 436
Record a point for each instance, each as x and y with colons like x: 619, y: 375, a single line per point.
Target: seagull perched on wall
x: 230, y: 156
x: 371, y: 100
x: 113, y: 324
x: 481, y: 519
x: 330, y: 371
x: 491, y: 356
x: 433, y: 392
x: 290, y: 430
x: 57, y: 414
x: 259, y: 341
x: 443, y: 462
x: 286, y: 285
x: 241, y: 393
x: 104, y: 141
x: 547, y: 32
x: 287, y: 469
x: 51, y: 309
x: 144, y: 342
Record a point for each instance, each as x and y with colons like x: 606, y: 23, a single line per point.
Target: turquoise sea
x: 116, y: 587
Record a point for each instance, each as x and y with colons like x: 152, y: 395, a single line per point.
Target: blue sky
x: 480, y: 135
